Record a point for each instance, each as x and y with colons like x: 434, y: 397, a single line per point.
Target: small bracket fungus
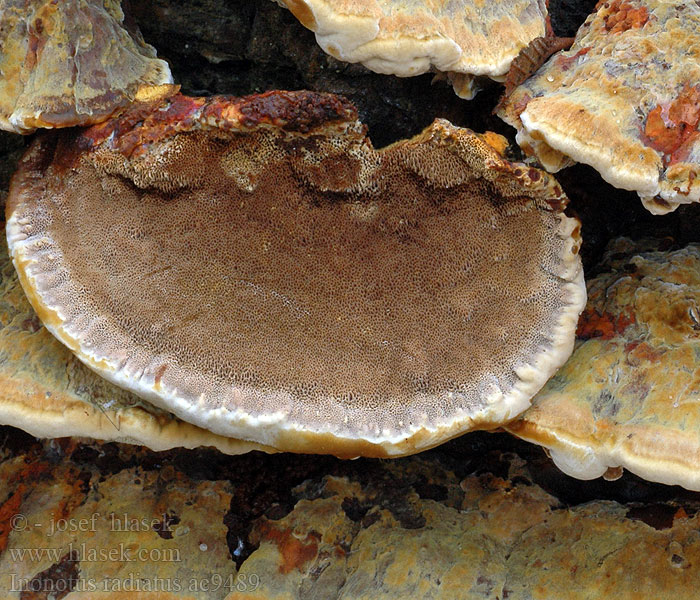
x: 396, y: 37
x: 629, y: 396
x: 69, y: 63
x: 624, y: 99
x: 256, y: 267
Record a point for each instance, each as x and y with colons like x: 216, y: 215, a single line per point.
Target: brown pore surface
x: 46, y: 391
x: 293, y: 274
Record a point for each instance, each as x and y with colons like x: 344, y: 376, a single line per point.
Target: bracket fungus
x: 462, y: 38
x: 624, y: 99
x: 256, y: 267
x: 47, y: 392
x: 629, y: 396
x: 69, y: 63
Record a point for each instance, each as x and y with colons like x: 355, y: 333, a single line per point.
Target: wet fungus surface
x: 624, y: 99
x: 256, y: 267
x: 70, y: 63
x: 629, y: 396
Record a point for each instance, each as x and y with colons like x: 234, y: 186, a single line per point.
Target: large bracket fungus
x: 256, y: 267
x: 630, y: 394
x: 462, y: 38
x: 47, y: 392
x: 69, y: 63
x: 624, y: 99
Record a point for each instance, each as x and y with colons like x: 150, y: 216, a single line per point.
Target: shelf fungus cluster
x: 70, y: 63
x: 624, y: 99
x: 462, y: 38
x: 256, y: 267
x: 630, y: 394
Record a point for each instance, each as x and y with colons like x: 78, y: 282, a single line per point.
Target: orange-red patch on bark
x: 8, y: 510
x: 521, y: 105
x: 145, y: 123
x: 592, y: 324
x: 623, y: 16
x: 672, y: 128
x: 641, y: 351
x: 295, y: 552
x: 565, y: 62
x: 623, y: 321
x: 33, y: 471
x: 75, y: 497
x: 680, y: 514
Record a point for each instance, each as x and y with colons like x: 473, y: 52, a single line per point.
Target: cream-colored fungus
x: 400, y: 37
x: 624, y: 99
x: 629, y: 396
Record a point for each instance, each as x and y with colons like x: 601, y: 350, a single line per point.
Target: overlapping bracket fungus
x: 462, y: 38
x: 68, y: 63
x: 624, y: 99
x: 629, y: 396
x: 256, y: 267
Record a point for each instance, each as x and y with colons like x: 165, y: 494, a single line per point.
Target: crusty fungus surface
x: 47, y: 392
x: 256, y: 267
x: 69, y: 63
x: 406, y: 38
x: 624, y: 99
x: 137, y: 529
x: 629, y: 396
